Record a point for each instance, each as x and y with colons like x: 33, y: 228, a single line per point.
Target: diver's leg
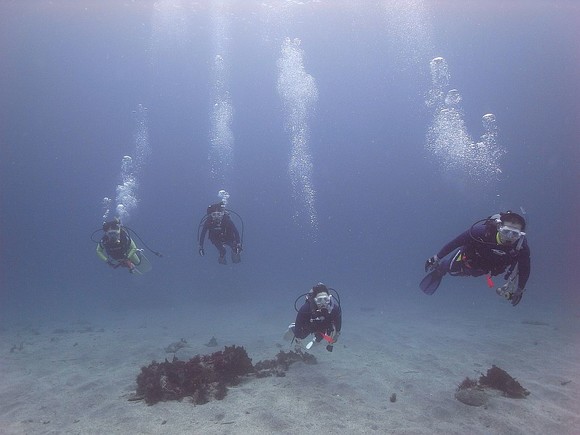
x: 236, y: 258
x: 222, y: 251
x: 132, y: 254
x: 453, y: 264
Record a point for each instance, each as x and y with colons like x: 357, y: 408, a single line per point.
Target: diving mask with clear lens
x: 114, y: 234
x: 509, y: 234
x: 322, y: 300
x: 217, y: 215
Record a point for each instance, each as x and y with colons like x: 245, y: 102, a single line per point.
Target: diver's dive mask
x: 509, y: 235
x: 322, y: 300
x: 217, y: 215
x: 114, y: 234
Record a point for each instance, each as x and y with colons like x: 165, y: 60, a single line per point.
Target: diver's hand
x: 129, y: 264
x: 110, y: 263
x: 330, y: 346
x: 201, y: 252
x: 431, y: 263
x: 517, y: 296
x: 335, y: 336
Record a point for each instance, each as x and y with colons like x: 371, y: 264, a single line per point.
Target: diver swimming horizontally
x: 488, y: 247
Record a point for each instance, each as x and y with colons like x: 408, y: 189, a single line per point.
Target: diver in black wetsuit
x: 489, y: 247
x: 320, y: 315
x: 222, y: 232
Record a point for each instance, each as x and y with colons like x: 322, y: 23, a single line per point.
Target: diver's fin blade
x: 144, y: 265
x: 431, y: 282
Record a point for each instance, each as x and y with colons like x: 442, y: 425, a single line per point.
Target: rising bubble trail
x: 126, y: 199
x: 298, y: 92
x: 221, y: 134
x: 448, y: 139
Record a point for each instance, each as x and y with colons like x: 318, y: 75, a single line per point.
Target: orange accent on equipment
x: 327, y: 338
x: 489, y: 281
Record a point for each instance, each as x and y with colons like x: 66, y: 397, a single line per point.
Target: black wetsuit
x: 117, y: 251
x: 221, y: 232
x: 477, y: 253
x: 311, y: 320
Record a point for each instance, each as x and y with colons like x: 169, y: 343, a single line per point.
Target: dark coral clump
x: 203, y: 378
x: 280, y: 365
x: 499, y: 379
x: 496, y: 379
x: 207, y: 377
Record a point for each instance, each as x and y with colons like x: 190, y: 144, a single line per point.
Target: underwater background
x: 354, y: 139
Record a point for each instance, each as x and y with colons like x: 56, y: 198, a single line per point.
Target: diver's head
x: 322, y: 300
x: 216, y: 212
x: 321, y: 296
x: 112, y: 229
x: 510, y: 227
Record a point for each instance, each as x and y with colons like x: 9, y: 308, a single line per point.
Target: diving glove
x: 201, y: 252
x: 431, y: 263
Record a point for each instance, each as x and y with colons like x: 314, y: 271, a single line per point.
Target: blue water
x: 74, y: 74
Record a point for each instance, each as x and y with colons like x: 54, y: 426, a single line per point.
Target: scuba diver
x: 117, y: 248
x: 222, y: 232
x: 320, y: 315
x: 488, y: 247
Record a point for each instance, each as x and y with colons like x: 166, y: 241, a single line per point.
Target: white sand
x: 78, y: 380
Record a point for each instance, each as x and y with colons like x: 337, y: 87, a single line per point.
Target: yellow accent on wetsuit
x: 131, y: 255
x: 101, y: 252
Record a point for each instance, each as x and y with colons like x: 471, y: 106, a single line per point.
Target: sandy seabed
x: 77, y: 377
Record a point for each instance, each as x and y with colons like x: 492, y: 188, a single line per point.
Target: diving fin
x: 431, y: 282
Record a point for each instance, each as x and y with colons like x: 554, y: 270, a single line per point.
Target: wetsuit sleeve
x: 131, y: 252
x: 129, y: 247
x: 232, y: 230
x: 523, y: 266
x: 236, y: 233
x: 101, y: 252
x: 203, y: 233
x: 302, y: 324
x: 337, y: 318
x: 461, y: 240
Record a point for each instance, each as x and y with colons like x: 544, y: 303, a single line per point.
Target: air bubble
x: 453, y: 98
x: 448, y: 138
x: 299, y: 93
